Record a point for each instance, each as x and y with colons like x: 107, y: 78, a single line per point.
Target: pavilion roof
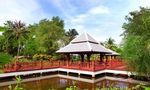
x: 85, y: 37
x: 84, y: 43
x: 113, y: 52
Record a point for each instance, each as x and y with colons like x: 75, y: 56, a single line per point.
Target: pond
x: 61, y: 82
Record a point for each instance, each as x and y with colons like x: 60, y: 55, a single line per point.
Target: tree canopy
x: 47, y: 34
x: 110, y: 43
x: 70, y: 35
x: 136, y: 41
x: 2, y: 29
x: 44, y: 37
x: 14, y: 36
x: 5, y: 58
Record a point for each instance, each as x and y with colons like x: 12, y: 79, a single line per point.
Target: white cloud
x: 65, y: 6
x: 28, y: 11
x: 79, y: 19
x: 80, y: 28
x: 144, y: 3
x: 99, y: 10
x: 91, y: 13
x: 90, y: 17
x: 103, y: 22
x: 135, y: 4
x: 102, y: 19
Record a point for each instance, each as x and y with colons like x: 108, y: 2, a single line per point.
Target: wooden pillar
x: 41, y: 63
x: 106, y: 59
x: 101, y: 58
x: 82, y: 57
x: 15, y: 65
x: 88, y: 57
x: 115, y: 57
x: 68, y: 57
x: 111, y: 57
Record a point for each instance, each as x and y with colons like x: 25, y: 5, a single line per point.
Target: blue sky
x: 100, y: 18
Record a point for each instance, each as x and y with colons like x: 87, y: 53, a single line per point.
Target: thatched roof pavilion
x: 84, y: 44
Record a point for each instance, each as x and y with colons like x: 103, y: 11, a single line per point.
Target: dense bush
x: 42, y: 57
x: 136, y: 41
x: 5, y: 58
x: 58, y: 57
x: 75, y: 58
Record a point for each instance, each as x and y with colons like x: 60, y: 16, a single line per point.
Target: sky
x: 99, y: 18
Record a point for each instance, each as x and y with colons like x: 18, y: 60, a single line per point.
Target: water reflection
x: 121, y: 84
x: 60, y: 83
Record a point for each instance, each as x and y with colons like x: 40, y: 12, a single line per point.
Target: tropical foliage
x: 5, y: 58
x: 38, y: 39
x: 110, y: 43
x: 18, y: 85
x: 48, y: 34
x: 70, y: 35
x: 2, y: 29
x: 42, y: 57
x: 15, y: 35
x: 136, y: 42
x: 2, y: 40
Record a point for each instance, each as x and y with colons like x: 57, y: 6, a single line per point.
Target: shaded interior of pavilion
x: 85, y: 47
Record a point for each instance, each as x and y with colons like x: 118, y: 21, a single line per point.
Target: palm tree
x: 71, y: 34
x: 16, y: 32
x: 109, y: 43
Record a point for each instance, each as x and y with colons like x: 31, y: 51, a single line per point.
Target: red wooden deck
x: 86, y: 66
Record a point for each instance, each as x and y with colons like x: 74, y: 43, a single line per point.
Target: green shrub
x: 24, y: 60
x: 75, y: 58
x: 5, y: 58
x: 57, y: 57
x: 42, y: 57
x: 72, y: 88
x: 18, y: 85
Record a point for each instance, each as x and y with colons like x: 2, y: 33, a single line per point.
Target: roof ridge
x: 88, y: 42
x: 84, y: 37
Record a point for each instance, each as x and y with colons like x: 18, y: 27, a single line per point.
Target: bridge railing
x: 78, y: 65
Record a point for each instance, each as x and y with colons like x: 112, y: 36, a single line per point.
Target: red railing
x: 87, y: 66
